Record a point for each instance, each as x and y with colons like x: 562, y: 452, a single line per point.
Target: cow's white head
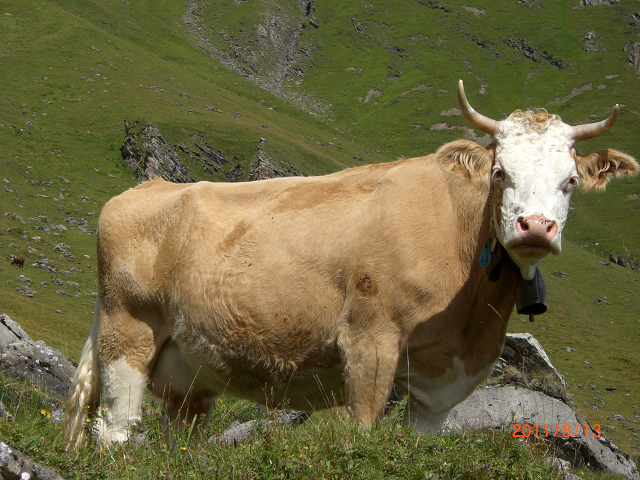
x: 533, y: 169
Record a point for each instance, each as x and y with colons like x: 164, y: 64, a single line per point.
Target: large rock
x: 14, y: 465
x: 149, y: 156
x: 626, y: 260
x: 35, y: 361
x: 496, y: 407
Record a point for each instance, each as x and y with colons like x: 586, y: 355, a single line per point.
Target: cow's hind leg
x: 178, y: 380
x: 127, y: 346
x: 121, y: 402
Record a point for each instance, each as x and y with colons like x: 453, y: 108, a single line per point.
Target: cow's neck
x: 472, y: 326
x: 493, y: 288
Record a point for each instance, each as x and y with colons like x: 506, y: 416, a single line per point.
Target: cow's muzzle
x: 536, y: 236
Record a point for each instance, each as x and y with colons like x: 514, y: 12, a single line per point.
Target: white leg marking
x: 421, y: 421
x: 121, y: 402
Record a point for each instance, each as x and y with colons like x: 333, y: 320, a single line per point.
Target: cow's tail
x: 84, y: 396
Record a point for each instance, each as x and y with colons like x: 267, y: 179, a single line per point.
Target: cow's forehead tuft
x: 532, y: 122
x: 536, y: 120
x: 533, y: 135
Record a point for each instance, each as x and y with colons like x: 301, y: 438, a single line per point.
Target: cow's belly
x: 313, y: 389
x: 178, y: 373
x: 433, y: 397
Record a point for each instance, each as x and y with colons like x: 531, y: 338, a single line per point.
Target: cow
x: 19, y: 261
x: 313, y: 291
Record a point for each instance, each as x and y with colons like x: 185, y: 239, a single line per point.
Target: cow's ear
x: 597, y: 168
x: 468, y: 160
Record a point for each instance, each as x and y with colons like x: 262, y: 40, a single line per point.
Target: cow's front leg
x: 418, y: 416
x: 370, y: 360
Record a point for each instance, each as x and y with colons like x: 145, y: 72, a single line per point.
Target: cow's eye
x: 572, y: 182
x: 498, y: 174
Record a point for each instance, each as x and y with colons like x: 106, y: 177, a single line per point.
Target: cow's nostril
x: 523, y: 224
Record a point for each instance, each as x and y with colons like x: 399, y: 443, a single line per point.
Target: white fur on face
x: 532, y: 172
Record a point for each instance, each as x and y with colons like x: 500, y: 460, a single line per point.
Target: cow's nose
x: 536, y: 228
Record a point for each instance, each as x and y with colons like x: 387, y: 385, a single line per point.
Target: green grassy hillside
x: 374, y: 81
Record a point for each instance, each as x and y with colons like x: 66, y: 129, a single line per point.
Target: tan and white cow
x: 311, y: 291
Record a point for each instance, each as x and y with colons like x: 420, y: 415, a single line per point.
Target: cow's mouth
x: 533, y: 250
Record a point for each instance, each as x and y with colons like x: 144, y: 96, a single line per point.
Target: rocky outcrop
x: 265, y: 166
x: 592, y: 3
x: 11, y: 332
x: 523, y: 45
x: 35, y: 361
x: 624, y: 260
x: 210, y: 159
x: 42, y: 366
x: 149, y: 156
x: 529, y: 399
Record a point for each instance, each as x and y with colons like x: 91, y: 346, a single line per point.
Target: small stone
x: 26, y: 291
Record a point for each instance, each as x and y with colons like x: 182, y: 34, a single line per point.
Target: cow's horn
x: 486, y: 124
x: 590, y: 130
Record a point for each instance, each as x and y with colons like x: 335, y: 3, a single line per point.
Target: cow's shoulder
x: 150, y: 190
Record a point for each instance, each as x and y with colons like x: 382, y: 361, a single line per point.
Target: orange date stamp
x: 527, y: 430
